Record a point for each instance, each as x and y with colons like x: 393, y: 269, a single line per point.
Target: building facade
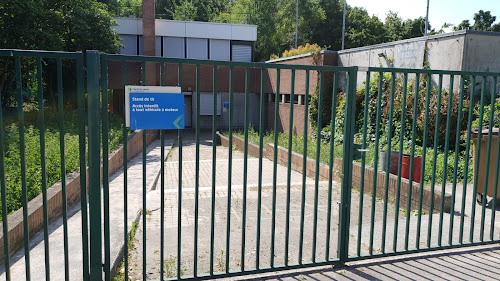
x: 191, y: 40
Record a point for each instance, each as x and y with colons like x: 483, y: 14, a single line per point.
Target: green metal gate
x: 246, y: 76
x: 337, y: 204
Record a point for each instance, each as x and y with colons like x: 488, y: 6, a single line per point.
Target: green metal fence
x: 454, y: 104
x: 341, y: 209
x: 38, y: 63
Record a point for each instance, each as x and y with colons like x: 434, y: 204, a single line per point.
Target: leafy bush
x: 409, y: 107
x: 326, y: 110
x: 487, y: 114
x: 306, y: 49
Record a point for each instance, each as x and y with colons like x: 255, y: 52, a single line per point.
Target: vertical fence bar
x: 105, y: 166
x: 275, y: 165
x: 375, y: 161
x: 60, y: 97
x: 22, y: 155
x: 363, y: 163
x: 457, y: 151
x: 94, y: 165
x: 41, y: 123
x: 445, y: 170
x: 488, y: 158
x: 400, y: 161
x: 331, y: 164
x: 261, y: 148
x: 289, y: 171
x: 389, y: 158
x: 3, y: 189
x: 125, y: 176
x: 412, y: 160
x: 434, y: 166
x: 162, y: 186
x: 318, y: 148
x: 477, y: 161
x: 197, y: 172
x: 424, y: 154
x: 495, y: 191
x: 229, y: 167
x: 83, y: 165
x: 304, y: 169
x: 179, y: 200
x: 345, y: 205
x: 467, y: 148
x: 245, y: 169
x: 144, y: 191
x: 214, y: 166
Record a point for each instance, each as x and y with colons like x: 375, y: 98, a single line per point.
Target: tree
x: 58, y: 25
x: 363, y: 30
x: 465, y: 24
x: 483, y: 20
x: 394, y: 26
x: 186, y: 11
x: 125, y: 8
x: 327, y: 32
x: 61, y: 25
x: 192, y: 10
x: 415, y: 28
x: 268, y: 16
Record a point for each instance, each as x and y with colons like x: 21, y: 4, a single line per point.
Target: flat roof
x: 190, y: 29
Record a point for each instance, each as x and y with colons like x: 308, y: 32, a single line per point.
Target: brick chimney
x: 148, y: 36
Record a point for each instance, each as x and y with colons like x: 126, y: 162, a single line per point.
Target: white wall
x: 207, y: 30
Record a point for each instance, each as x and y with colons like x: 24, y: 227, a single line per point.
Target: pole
x: 427, y: 19
x: 343, y: 24
x: 297, y: 25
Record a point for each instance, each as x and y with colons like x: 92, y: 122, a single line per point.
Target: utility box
x: 483, y: 164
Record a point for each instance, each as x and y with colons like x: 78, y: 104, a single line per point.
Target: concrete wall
x: 463, y: 50
x: 482, y: 52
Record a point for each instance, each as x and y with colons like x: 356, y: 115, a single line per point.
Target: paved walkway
x: 153, y: 228
x: 37, y: 254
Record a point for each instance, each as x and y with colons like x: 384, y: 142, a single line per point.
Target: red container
x: 417, y: 167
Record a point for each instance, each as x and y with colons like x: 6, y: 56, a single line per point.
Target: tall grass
x: 12, y: 155
x: 298, y: 146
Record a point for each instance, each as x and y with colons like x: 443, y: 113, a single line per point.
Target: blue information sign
x: 156, y: 111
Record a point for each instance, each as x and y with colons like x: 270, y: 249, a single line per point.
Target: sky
x: 440, y: 11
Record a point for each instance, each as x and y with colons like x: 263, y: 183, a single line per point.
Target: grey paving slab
x: 222, y: 196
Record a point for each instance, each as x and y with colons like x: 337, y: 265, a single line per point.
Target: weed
x: 415, y: 213
x: 121, y: 270
x: 220, y: 261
